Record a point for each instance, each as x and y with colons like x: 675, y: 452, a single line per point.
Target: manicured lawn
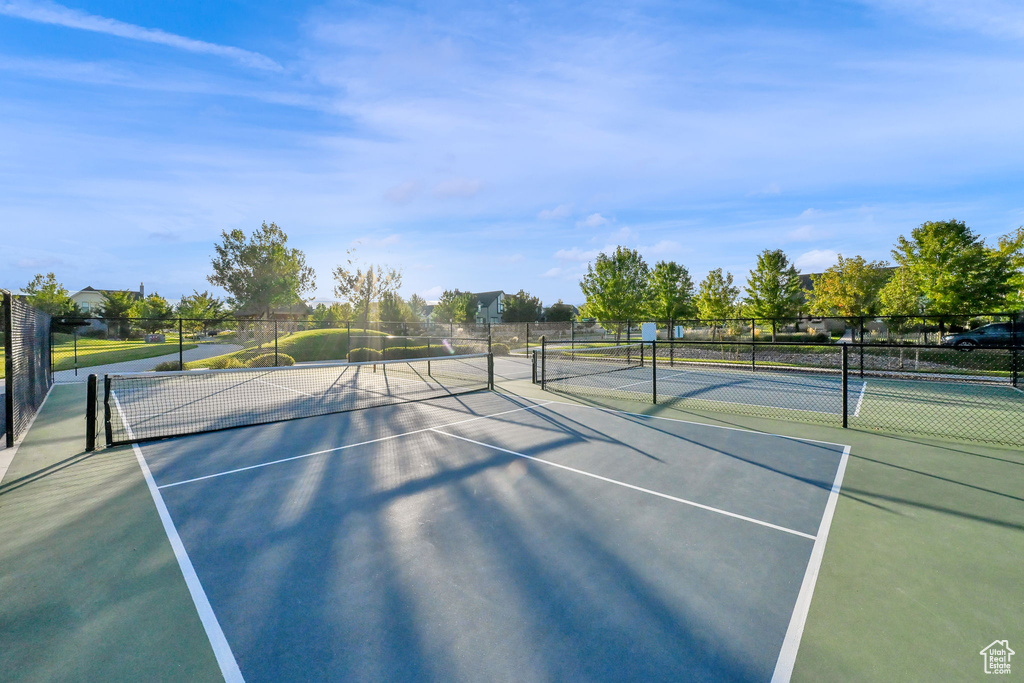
x: 92, y: 352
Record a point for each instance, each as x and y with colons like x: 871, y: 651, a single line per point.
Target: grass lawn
x: 92, y: 352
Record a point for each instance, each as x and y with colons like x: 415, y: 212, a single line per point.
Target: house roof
x: 90, y: 288
x: 486, y: 298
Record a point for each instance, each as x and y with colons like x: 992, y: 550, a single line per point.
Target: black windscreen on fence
x: 27, y: 376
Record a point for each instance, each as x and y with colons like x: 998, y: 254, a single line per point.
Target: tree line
x: 941, y: 268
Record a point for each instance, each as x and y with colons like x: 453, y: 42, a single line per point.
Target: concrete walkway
x: 144, y: 364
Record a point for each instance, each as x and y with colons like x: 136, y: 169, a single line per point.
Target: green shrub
x: 167, y: 366
x: 363, y: 355
x: 500, y: 349
x: 267, y: 360
x: 396, y: 352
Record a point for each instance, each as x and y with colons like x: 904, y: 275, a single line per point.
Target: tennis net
x: 562, y: 363
x: 156, y: 405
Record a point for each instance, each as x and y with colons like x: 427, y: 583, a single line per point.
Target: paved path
x: 144, y: 364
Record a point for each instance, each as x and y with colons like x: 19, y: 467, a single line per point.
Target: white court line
x: 221, y: 648
x: 791, y: 644
x: 691, y: 422
x: 860, y: 399
x: 629, y: 486
x: 7, y: 455
x: 341, y: 448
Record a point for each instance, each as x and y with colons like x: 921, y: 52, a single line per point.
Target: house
x: 489, y: 306
x: 90, y: 299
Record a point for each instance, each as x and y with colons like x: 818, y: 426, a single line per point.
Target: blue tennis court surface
x: 489, y: 537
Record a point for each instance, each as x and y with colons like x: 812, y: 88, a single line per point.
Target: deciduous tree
x: 716, y: 296
x: 155, y: 311
x: 671, y: 291
x: 262, y: 271
x: 50, y: 296
x: 363, y: 288
x: 954, y: 269
x: 849, y: 289
x: 559, y: 312
x: 773, y: 288
x: 116, y: 307
x: 455, y: 306
x: 617, y: 287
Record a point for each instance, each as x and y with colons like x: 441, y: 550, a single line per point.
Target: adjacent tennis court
x: 490, y: 537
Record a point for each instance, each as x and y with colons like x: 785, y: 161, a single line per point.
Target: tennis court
x: 492, y: 537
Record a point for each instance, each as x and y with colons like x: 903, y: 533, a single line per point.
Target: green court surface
x: 922, y: 567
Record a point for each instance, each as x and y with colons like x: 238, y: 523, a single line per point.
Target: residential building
x: 489, y: 306
x: 90, y: 299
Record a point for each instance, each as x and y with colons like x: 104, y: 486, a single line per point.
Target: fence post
x: 348, y: 334
x: 629, y: 327
x: 862, y: 346
x: 76, y: 351
x: 275, y: 343
x: 654, y: 372
x: 181, y: 345
x: 90, y: 414
x: 846, y: 383
x: 572, y: 335
x: 753, y: 329
x: 533, y: 367
x: 753, y: 356
x: 527, y: 339
x: 543, y: 362
x: 1015, y: 343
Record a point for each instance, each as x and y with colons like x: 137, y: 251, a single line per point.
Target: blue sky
x: 499, y: 146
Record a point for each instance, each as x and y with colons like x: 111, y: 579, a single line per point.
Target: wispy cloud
x: 816, y: 260
x: 403, y: 193
x: 560, y: 211
x: 999, y: 18
x: 458, y: 187
x: 59, y: 15
x: 594, y: 220
x: 376, y: 242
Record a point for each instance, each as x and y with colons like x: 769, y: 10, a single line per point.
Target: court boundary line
x: 702, y: 424
x: 794, y: 633
x: 633, y: 487
x: 214, y: 633
x: 7, y: 454
x: 860, y: 399
x: 342, y: 447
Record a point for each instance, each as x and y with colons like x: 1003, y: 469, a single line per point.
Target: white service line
x: 860, y: 399
x: 218, y: 641
x: 791, y: 644
x: 341, y: 448
x: 629, y: 486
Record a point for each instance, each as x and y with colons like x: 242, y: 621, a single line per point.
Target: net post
x: 90, y: 414
x: 108, y: 430
x: 846, y: 383
x: 8, y: 328
x: 181, y: 345
x: 275, y: 344
x: 543, y: 362
x: 654, y: 372
x: 490, y: 369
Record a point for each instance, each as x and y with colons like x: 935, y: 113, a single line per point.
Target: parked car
x: 993, y: 334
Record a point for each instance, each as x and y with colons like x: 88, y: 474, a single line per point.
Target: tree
x: 456, y: 307
x: 520, y: 307
x: 716, y: 296
x: 1011, y: 245
x: 156, y: 311
x: 49, y: 296
x: 617, y: 287
x: 559, y: 312
x: 392, y: 308
x: 199, y: 310
x: 849, y: 289
x: 261, y: 272
x: 954, y: 269
x: 671, y: 291
x: 773, y: 288
x: 901, y: 298
x: 363, y: 288
x: 116, y: 306
x: 417, y: 305
x: 324, y: 316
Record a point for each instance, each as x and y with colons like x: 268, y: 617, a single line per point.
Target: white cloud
x: 662, y: 247
x: 553, y: 272
x: 623, y: 235
x: 458, y: 187
x: 816, y: 260
x: 374, y: 242
x: 594, y: 220
x: 560, y: 211
x: 805, y: 233
x: 59, y: 15
x: 432, y: 293
x: 577, y: 254
x: 512, y: 258
x: 403, y: 193
x: 999, y: 18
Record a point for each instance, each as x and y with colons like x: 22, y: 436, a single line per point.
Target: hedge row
x: 265, y: 360
x: 363, y: 355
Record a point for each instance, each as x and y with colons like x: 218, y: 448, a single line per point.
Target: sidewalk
x: 144, y: 364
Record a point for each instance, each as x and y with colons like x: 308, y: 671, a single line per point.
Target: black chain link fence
x: 926, y: 389
x: 27, y: 376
